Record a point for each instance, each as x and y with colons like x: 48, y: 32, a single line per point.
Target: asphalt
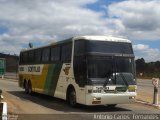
x: 145, y: 90
x: 41, y: 107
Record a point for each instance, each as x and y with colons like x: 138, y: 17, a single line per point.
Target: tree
x: 140, y: 65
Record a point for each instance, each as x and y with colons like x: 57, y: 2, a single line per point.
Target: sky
x: 45, y: 21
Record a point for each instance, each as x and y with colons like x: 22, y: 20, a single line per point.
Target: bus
x: 88, y: 70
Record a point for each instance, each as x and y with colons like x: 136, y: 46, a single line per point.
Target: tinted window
x: 21, y: 58
x: 31, y: 56
x: 45, y: 54
x: 79, y: 47
x: 38, y: 55
x: 80, y: 71
x: 109, y: 47
x: 66, y: 52
x: 55, y: 54
x: 100, y: 68
x: 102, y: 47
x: 25, y: 57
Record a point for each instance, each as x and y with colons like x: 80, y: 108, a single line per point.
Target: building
x: 11, y: 62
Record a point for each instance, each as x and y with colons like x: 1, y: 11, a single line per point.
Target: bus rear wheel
x: 72, y: 98
x: 28, y: 87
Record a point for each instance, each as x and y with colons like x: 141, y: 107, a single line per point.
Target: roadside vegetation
x: 147, y: 70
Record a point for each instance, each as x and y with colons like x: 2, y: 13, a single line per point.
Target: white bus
x: 89, y: 70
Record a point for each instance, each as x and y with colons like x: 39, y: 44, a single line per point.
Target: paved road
x: 147, y: 83
x: 42, y: 107
x: 146, y: 89
x: 11, y: 75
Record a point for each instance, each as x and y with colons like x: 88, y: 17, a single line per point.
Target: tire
x: 72, y: 98
x: 29, y: 88
x: 26, y: 87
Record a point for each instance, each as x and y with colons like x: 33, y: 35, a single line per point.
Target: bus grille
x: 121, y: 89
x: 118, y: 89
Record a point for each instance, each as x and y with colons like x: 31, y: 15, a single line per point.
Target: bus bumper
x: 106, y: 99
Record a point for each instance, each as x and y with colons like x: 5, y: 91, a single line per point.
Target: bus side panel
x: 52, y: 78
x: 67, y: 78
x: 38, y: 81
x: 35, y: 73
x: 62, y: 83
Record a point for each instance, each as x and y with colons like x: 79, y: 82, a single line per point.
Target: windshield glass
x: 99, y: 67
x: 115, y: 70
x: 103, y: 62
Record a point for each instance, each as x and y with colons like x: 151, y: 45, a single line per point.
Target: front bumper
x: 110, y: 98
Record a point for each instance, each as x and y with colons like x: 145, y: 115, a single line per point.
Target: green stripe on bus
x: 52, y: 78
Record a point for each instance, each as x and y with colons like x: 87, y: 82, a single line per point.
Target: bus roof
x: 102, y: 38
x: 53, y: 43
x: 97, y: 38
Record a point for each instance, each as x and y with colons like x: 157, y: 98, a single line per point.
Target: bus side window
x: 38, y: 56
x: 21, y: 58
x: 25, y: 57
x: 45, y: 54
x: 31, y: 56
x: 55, y: 54
x: 66, y: 53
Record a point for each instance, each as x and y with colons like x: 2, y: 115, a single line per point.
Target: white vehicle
x: 90, y: 70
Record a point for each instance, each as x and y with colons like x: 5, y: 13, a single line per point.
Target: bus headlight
x: 96, y: 100
x: 132, y: 88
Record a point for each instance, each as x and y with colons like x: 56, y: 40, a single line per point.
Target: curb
x: 149, y: 104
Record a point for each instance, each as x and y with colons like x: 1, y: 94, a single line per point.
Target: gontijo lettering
x: 34, y: 69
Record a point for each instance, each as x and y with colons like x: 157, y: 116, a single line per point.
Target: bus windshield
x: 103, y: 62
x: 116, y: 70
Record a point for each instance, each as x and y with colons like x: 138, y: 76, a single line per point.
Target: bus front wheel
x: 72, y: 98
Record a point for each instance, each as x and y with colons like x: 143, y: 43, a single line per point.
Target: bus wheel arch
x: 71, y: 96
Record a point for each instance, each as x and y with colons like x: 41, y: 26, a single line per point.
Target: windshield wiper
x: 122, y: 76
x: 108, y: 76
x: 106, y: 82
x: 124, y: 79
